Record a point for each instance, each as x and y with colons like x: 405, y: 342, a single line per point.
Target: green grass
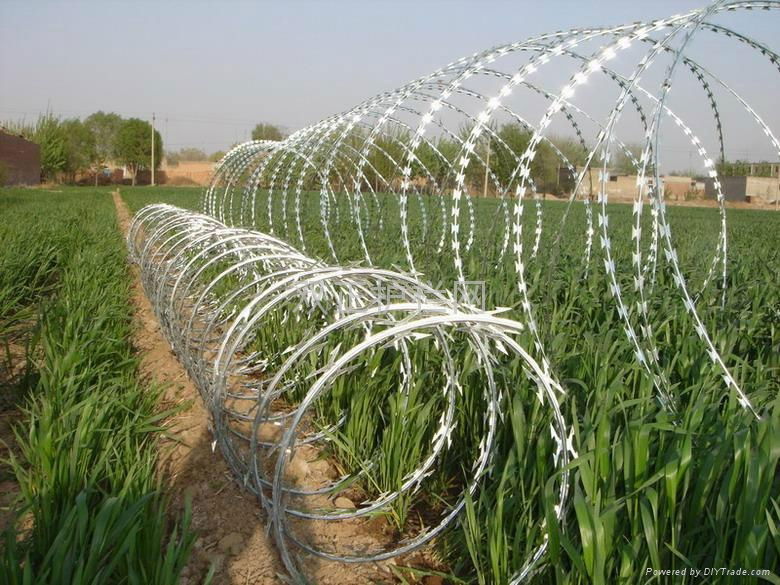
x: 86, y: 455
x: 650, y: 489
x: 185, y: 197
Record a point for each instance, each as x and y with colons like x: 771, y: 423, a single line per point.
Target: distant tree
x: 344, y: 170
x: 192, y: 154
x: 385, y: 159
x: 437, y: 157
x: 104, y: 127
x: 185, y: 154
x: 576, y: 154
x: 449, y: 150
x: 507, y: 144
x: 514, y: 140
x: 682, y: 173
x: 504, y: 159
x: 50, y: 137
x: 622, y: 163
x: 733, y: 168
x: 217, y: 156
x: 426, y: 161
x: 134, y: 148
x: 743, y: 168
x: 267, y: 132
x: 80, y: 147
x: 572, y: 149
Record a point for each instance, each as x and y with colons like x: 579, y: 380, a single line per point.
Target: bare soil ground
x: 14, y: 379
x: 229, y: 521
x: 9, y: 416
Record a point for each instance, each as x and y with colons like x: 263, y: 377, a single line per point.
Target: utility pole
x: 152, y: 149
x: 487, y: 168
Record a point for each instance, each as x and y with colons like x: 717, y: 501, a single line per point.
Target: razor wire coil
x: 212, y: 287
x: 216, y: 281
x: 257, y: 182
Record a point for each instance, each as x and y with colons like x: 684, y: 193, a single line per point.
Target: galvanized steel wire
x: 263, y: 184
x: 214, y: 286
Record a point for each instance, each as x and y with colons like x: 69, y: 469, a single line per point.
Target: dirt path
x: 10, y: 415
x: 228, y: 520
x: 17, y: 375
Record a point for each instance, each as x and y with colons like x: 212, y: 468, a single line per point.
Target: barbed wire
x: 213, y: 288
x: 398, y: 170
x: 462, y: 104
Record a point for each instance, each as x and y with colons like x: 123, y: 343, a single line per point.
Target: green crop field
x: 513, y: 319
x: 650, y: 488
x: 89, y: 507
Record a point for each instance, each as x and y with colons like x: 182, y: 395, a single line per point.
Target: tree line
x: 435, y: 160
x: 743, y: 168
x: 189, y: 154
x: 494, y: 164
x: 71, y: 146
x: 262, y: 131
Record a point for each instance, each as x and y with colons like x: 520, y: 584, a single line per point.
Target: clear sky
x: 211, y: 70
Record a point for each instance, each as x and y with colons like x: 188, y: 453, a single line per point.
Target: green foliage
x: 181, y: 197
x: 435, y: 159
x: 134, y: 145
x: 69, y: 146
x: 386, y: 158
x: 742, y: 168
x: 49, y: 135
x: 104, y: 127
x: 265, y: 131
x: 86, y: 463
x: 648, y: 489
x: 514, y: 140
x: 217, y: 156
x: 622, y: 162
x: 572, y: 149
x: 80, y: 146
x: 185, y: 154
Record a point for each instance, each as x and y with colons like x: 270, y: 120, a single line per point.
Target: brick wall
x: 21, y: 160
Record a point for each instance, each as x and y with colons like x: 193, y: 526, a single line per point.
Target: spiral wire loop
x: 214, y: 288
x: 381, y: 159
x: 395, y: 169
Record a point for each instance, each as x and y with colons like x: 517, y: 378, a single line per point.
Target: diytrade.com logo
x: 706, y: 572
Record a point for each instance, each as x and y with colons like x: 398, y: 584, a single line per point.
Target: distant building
x: 622, y: 187
x: 756, y: 182
x: 186, y: 173
x: 20, y: 160
x: 745, y: 188
x: 619, y: 186
x: 679, y: 188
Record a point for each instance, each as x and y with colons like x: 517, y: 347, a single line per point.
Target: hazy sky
x: 211, y: 70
